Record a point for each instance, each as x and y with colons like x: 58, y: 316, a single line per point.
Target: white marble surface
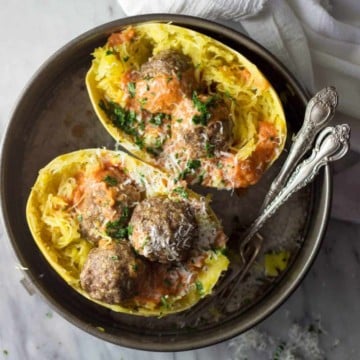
x: 328, y: 299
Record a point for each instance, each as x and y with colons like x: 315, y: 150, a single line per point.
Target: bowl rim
x: 285, y: 287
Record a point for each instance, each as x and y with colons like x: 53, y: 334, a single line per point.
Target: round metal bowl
x: 54, y: 116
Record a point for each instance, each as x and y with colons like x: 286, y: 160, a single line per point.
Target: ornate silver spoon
x: 319, y: 111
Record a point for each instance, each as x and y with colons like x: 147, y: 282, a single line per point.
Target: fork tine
x: 256, y: 243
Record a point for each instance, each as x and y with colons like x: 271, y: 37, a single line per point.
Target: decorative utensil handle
x: 331, y: 144
x: 319, y: 110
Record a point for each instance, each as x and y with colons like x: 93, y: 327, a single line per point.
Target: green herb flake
x: 193, y: 164
x: 164, y: 301
x: 139, y: 141
x: 130, y: 229
x: 114, y: 257
x: 209, y: 148
x: 143, y: 101
x: 203, y: 108
x: 111, y: 181
x: 119, y: 117
x: 157, y: 119
x: 148, y: 77
x: 182, y: 192
x: 132, y: 89
x: 117, y: 229
x: 5, y: 352
x: 135, y: 267
x: 179, y: 120
x: 199, y: 287
x: 126, y: 58
x: 79, y: 218
x: 142, y: 125
x: 190, y: 166
x: 109, y: 52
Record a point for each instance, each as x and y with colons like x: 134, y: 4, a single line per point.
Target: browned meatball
x: 166, y: 62
x: 112, y: 273
x: 163, y: 230
x: 105, y: 197
x: 204, y: 134
x: 204, y: 141
x: 163, y: 81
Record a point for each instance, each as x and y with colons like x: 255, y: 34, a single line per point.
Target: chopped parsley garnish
x: 190, y: 166
x: 209, y: 148
x: 199, y: 287
x: 203, y: 108
x: 143, y: 101
x: 121, y: 118
x: 126, y: 58
x: 139, y: 141
x: 125, y: 120
x: 111, y: 181
x: 164, y: 301
x: 130, y: 229
x: 148, y: 77
x: 117, y: 229
x: 193, y: 164
x: 114, y: 257
x: 135, y: 267
x: 157, y: 119
x: 109, y: 52
x: 182, y: 192
x: 132, y: 89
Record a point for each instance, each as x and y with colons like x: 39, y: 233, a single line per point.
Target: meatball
x: 203, y: 137
x: 163, y: 81
x: 167, y: 62
x: 163, y: 230
x: 105, y: 197
x: 204, y: 141
x: 112, y: 273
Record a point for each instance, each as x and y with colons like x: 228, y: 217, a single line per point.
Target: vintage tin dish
x: 54, y: 116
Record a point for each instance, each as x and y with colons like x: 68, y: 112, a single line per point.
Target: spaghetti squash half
x: 187, y: 104
x: 123, y: 235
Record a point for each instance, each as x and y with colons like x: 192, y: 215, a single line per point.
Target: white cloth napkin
x: 318, y: 48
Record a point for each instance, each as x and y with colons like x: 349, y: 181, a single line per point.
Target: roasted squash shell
x: 55, y: 226
x: 257, y: 119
